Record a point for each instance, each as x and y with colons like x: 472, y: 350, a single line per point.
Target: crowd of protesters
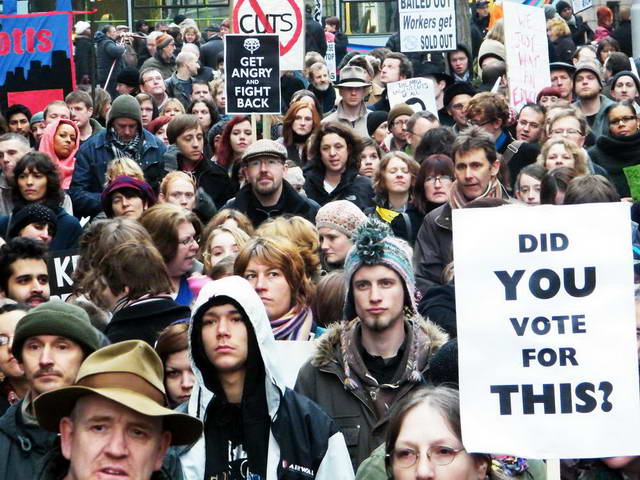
x: 203, y: 246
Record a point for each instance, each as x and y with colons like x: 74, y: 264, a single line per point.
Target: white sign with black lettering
x: 252, y: 72
x: 418, y: 93
x: 548, y: 357
x: 330, y: 59
x: 427, y: 25
x: 580, y: 5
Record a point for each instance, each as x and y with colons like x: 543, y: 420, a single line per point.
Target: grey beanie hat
x: 125, y: 106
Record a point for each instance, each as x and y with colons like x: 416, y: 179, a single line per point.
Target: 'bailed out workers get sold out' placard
x: 546, y: 330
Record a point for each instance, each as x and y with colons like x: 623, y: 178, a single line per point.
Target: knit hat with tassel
x: 374, y: 244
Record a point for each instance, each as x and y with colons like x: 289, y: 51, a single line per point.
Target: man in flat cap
x: 114, y: 421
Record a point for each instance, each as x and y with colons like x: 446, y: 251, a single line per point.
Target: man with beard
x: 321, y: 86
x: 50, y: 343
x: 266, y: 193
x: 18, y: 117
x: 365, y: 365
x: 587, y: 85
x: 23, y: 271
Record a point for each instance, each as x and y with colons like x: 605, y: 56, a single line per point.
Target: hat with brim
x: 567, y: 67
x: 353, y: 76
x: 129, y: 373
x: 431, y: 69
x: 52, y: 406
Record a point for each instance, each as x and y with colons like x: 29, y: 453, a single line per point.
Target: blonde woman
x: 562, y: 152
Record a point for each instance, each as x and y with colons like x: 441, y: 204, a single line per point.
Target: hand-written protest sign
x: 281, y: 17
x: 546, y: 331
x: 252, y: 74
x: 60, y: 266
x: 36, y: 65
x: 330, y: 59
x: 580, y: 5
x: 419, y: 93
x: 427, y: 25
x: 632, y: 174
x: 525, y: 34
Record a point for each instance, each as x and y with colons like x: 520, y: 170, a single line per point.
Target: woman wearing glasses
x: 424, y: 441
x: 620, y: 146
x: 430, y: 190
x: 175, y: 232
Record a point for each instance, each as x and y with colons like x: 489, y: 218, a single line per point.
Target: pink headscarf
x: 46, y: 146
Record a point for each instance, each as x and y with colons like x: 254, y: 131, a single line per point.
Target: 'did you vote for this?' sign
x: 252, y: 70
x: 546, y: 331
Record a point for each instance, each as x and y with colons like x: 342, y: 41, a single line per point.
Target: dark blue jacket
x: 91, y: 165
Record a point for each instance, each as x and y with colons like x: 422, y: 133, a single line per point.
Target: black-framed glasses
x: 440, y: 455
x: 475, y: 123
x: 438, y: 178
x: 618, y: 121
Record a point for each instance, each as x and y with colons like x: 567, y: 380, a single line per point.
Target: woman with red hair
x: 605, y: 23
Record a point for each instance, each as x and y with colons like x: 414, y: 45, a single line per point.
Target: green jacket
x: 22, y: 446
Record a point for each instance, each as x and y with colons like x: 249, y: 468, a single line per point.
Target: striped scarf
x: 296, y: 324
x: 494, y: 190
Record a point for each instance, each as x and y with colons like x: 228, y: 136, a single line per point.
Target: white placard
x: 282, y: 17
x: 546, y: 330
x: 419, y: 93
x: 525, y: 35
x: 330, y: 59
x: 293, y: 355
x: 580, y: 5
x: 427, y: 25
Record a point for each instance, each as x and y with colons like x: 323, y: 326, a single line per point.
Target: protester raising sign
x: 525, y: 35
x: 427, y: 25
x: 419, y: 93
x: 252, y: 72
x: 546, y: 330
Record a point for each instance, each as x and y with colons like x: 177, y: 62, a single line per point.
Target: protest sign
x: 419, y: 93
x: 295, y: 354
x: 252, y: 74
x: 548, y: 359
x: 526, y: 44
x: 317, y: 11
x: 60, y: 266
x: 632, y: 174
x: 281, y: 17
x: 36, y: 64
x: 580, y: 5
x: 330, y: 59
x: 427, y: 25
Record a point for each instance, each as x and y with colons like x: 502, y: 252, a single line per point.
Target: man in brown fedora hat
x: 114, y: 421
x: 351, y: 110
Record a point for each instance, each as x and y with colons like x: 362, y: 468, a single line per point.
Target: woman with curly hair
x: 334, y: 154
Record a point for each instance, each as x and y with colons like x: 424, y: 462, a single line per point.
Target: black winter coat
x: 623, y: 35
x: 83, y: 58
x: 108, y: 52
x: 614, y: 153
x: 145, y: 319
x: 290, y: 203
x: 352, y: 187
x: 314, y: 40
x: 565, y: 48
x: 209, y: 52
